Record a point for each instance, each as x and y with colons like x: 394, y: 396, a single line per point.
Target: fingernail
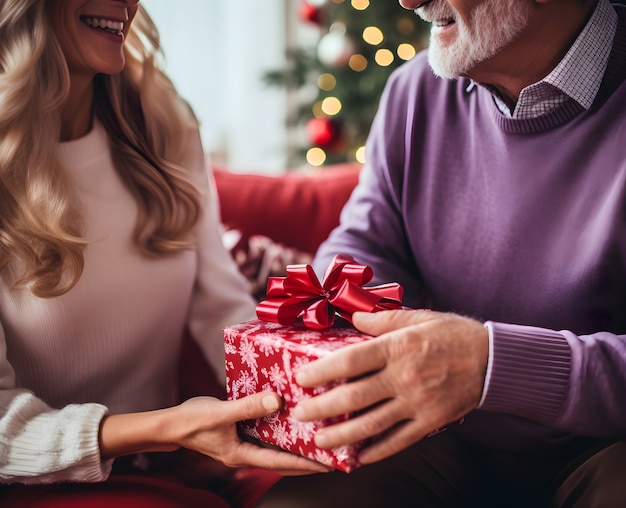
x: 320, y: 440
x: 270, y: 403
x: 301, y: 377
x: 298, y: 413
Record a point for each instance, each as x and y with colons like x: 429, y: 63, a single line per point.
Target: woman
x: 109, y: 250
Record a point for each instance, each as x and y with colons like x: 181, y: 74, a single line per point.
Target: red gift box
x: 264, y: 356
x: 303, y: 320
x: 299, y: 325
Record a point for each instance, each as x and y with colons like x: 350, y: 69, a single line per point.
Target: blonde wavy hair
x: 147, y: 122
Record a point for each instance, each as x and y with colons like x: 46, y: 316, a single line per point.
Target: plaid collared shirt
x: 579, y: 74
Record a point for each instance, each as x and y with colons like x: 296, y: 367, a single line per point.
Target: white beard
x: 493, y: 25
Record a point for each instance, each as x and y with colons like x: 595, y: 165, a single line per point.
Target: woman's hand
x: 424, y: 370
x: 206, y: 425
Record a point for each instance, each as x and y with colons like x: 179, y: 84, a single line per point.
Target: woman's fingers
x: 282, y: 462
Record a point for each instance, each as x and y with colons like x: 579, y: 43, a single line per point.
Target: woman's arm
x: 205, y: 425
x: 40, y: 444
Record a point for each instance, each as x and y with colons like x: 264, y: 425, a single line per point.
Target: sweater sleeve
x: 570, y: 382
x: 221, y: 294
x: 39, y: 444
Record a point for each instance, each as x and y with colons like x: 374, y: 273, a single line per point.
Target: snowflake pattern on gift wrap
x: 280, y: 434
x: 245, y: 384
x: 322, y: 456
x: 305, y: 336
x: 298, y: 393
x: 287, y: 363
x: 301, y: 431
x: 277, y: 377
x: 229, y: 346
x: 343, y: 453
x: 272, y: 326
x: 248, y: 355
x: 268, y: 345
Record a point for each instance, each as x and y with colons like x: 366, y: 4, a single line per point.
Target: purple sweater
x: 517, y: 222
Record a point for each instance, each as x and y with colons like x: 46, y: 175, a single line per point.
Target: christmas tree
x: 342, y: 76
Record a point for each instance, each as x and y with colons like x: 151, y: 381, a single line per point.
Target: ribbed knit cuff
x: 60, y: 446
x: 529, y: 371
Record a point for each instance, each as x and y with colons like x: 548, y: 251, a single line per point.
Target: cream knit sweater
x: 111, y: 343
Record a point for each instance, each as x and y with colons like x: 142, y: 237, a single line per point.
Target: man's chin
x: 442, y: 67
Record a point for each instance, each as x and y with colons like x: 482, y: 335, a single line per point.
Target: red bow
x: 300, y: 293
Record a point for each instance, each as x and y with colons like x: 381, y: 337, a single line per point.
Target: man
x: 495, y: 193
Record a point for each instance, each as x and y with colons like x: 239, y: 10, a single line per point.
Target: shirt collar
x: 579, y: 74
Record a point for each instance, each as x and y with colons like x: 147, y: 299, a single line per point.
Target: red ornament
x: 323, y: 132
x: 309, y: 13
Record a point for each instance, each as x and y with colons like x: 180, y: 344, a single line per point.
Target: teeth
x: 106, y: 24
x: 444, y: 22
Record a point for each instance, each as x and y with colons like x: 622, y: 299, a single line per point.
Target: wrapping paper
x: 263, y: 356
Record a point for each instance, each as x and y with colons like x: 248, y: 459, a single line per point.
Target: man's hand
x: 422, y: 371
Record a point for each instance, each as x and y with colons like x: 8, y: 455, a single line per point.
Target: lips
x: 413, y: 5
x: 437, y: 13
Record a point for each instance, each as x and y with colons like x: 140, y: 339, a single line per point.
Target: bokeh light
x: 317, y: 110
x: 326, y: 81
x: 384, y: 57
x: 357, y: 62
x: 316, y: 156
x: 360, y: 155
x: 331, y: 106
x: 373, y: 35
x: 406, y: 51
x: 360, y: 5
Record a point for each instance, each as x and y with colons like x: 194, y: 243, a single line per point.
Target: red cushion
x: 295, y: 209
x: 121, y: 492
x: 136, y: 491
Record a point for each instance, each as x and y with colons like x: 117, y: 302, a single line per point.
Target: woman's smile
x: 108, y: 25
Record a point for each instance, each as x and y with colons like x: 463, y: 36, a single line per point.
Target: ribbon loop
x: 342, y: 292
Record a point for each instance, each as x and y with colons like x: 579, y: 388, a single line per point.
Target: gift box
x: 262, y: 356
x: 301, y: 320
